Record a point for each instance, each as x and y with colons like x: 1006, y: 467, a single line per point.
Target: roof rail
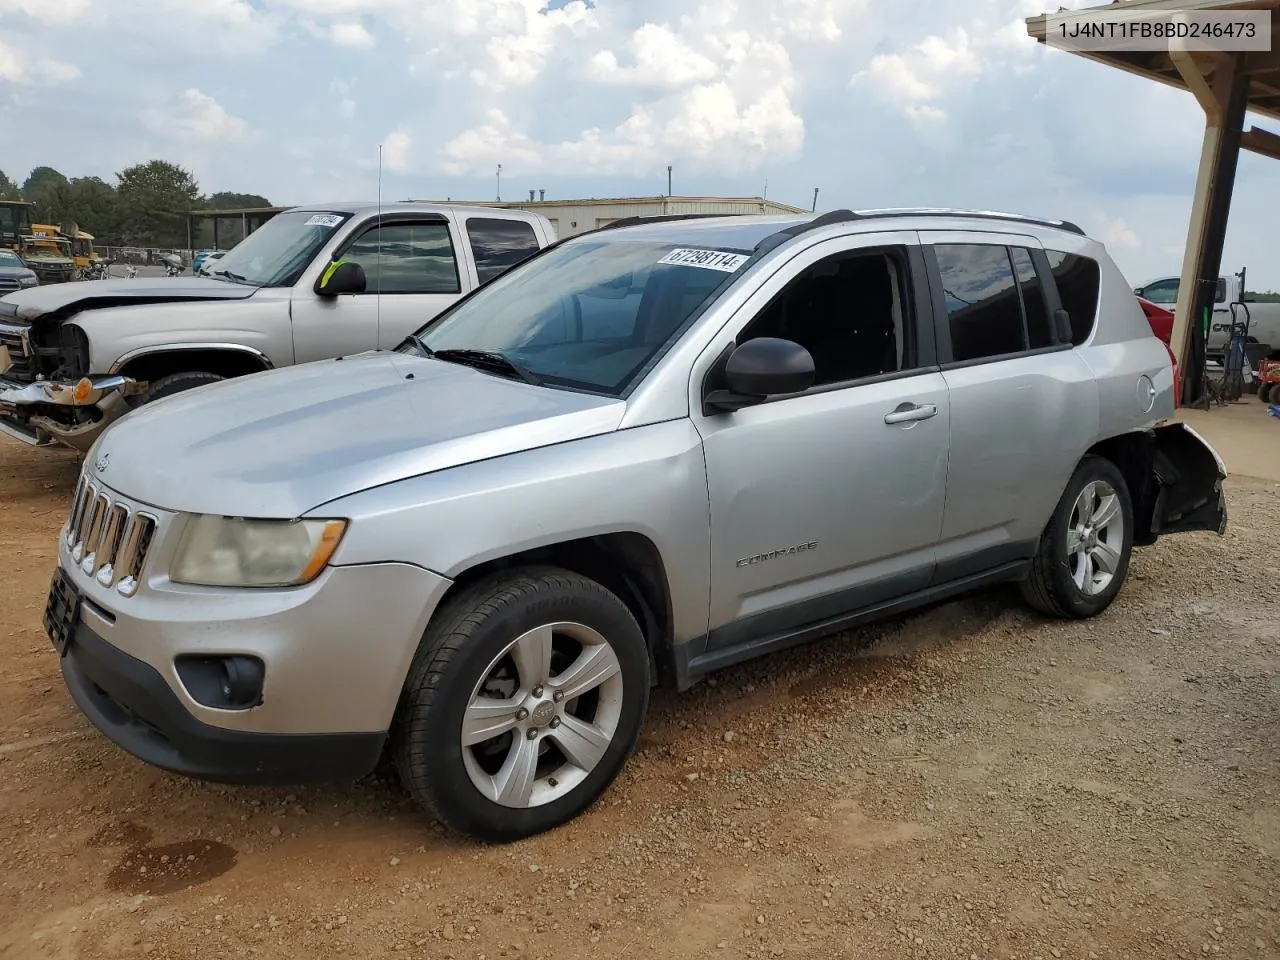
x: 822, y: 220
x: 659, y: 218
x: 970, y: 215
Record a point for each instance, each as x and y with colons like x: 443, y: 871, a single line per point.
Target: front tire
x: 523, y: 702
x: 1084, y: 552
x: 178, y: 382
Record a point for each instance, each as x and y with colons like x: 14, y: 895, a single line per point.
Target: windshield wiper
x: 485, y: 359
x: 418, y: 342
x: 233, y: 276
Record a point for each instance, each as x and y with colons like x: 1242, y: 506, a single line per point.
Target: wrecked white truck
x: 310, y: 284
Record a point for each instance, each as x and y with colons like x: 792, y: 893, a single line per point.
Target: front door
x: 830, y: 501
x: 413, y: 273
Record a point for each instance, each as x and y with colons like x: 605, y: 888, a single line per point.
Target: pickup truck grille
x: 108, y: 539
x: 8, y: 285
x: 12, y: 337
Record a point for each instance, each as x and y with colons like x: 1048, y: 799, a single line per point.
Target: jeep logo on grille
x: 101, y: 463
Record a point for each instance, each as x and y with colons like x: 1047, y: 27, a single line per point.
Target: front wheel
x: 1084, y: 551
x: 178, y: 382
x: 524, y: 700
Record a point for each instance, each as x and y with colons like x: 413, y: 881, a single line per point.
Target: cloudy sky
x: 910, y: 102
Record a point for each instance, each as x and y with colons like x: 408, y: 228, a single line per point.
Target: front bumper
x: 336, y: 652
x: 129, y: 701
x: 72, y: 412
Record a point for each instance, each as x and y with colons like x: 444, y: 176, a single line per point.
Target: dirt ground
x: 970, y: 782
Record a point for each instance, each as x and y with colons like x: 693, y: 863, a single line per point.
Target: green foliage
x: 144, y: 207
x: 153, y: 195
x: 8, y: 189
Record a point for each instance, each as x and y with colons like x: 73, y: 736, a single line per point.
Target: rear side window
x: 1077, y: 279
x: 498, y: 245
x: 983, y: 307
x: 1039, y: 326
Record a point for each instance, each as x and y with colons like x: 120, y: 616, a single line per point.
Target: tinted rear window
x: 1077, y: 279
x: 498, y: 245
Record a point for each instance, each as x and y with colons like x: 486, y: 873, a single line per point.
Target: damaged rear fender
x: 1185, y: 483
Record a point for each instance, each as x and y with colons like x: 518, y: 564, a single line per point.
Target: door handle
x: 907, y: 412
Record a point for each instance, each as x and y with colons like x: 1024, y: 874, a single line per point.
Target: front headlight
x: 235, y: 552
x: 30, y: 281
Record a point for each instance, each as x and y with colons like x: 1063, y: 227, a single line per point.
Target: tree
x: 235, y: 201
x: 8, y: 189
x: 93, y: 205
x: 152, y: 197
x: 47, y: 189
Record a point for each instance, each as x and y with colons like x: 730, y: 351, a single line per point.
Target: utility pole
x: 668, y: 179
x: 814, y: 208
x: 499, y: 183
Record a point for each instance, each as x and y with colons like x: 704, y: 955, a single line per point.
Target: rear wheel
x: 1083, y: 555
x: 1273, y: 395
x: 523, y: 702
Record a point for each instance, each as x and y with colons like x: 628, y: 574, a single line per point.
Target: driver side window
x: 1166, y: 291
x: 407, y: 258
x: 850, y: 311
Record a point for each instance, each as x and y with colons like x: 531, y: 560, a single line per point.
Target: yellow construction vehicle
x: 48, y: 252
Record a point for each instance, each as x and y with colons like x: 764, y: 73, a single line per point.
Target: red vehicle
x: 1161, y: 321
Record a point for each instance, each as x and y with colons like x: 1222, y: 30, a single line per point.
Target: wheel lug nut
x: 532, y: 734
x: 558, y: 696
x: 537, y: 691
x: 555, y: 722
x: 522, y: 714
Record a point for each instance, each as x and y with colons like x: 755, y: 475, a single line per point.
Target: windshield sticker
x: 707, y: 259
x: 324, y: 220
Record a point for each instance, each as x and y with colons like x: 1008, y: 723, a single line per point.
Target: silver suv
x: 646, y: 453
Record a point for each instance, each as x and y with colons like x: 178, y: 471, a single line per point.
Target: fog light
x: 223, y: 683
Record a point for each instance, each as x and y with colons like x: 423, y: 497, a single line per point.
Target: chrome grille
x: 108, y: 539
x: 8, y: 284
x: 12, y: 337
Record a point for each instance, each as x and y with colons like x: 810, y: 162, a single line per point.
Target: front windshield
x: 9, y: 259
x: 277, y: 252
x: 589, y: 315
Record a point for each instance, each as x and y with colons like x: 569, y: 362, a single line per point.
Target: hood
x: 279, y: 443
x: 64, y: 299
x: 8, y: 271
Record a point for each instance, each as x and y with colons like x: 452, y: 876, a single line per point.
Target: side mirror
x: 341, y: 277
x: 1138, y: 291
x: 761, y: 368
x: 1062, y: 325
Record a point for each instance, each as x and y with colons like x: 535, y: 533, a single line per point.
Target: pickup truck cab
x: 1264, y: 318
x: 644, y: 454
x: 312, y: 283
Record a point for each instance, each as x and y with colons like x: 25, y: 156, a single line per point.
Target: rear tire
x: 1273, y: 395
x: 1084, y: 551
x: 523, y: 702
x: 178, y: 382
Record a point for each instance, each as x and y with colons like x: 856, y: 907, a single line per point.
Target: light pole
x: 668, y: 179
x: 499, y: 183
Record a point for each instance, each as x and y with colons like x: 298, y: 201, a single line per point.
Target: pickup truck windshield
x: 589, y: 315
x: 277, y: 252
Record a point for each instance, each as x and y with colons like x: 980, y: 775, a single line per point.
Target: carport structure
x: 1227, y: 85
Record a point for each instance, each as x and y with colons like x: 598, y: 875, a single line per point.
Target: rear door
x: 1023, y: 405
x: 498, y: 244
x: 413, y: 272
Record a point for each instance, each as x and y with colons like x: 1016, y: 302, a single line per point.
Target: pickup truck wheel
x: 1084, y: 552
x: 177, y: 382
x: 523, y: 702
x: 1273, y: 394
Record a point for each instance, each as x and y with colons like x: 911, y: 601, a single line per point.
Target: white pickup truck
x: 1264, y: 318
x: 312, y: 283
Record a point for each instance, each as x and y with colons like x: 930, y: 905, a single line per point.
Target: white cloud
x: 661, y: 58
x: 60, y: 12
x: 352, y: 35
x: 926, y: 70
x: 491, y: 143
x: 195, y: 116
x: 1118, y: 235
x: 395, y: 150
x: 20, y: 66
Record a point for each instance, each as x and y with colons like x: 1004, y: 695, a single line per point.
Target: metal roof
x: 1263, y: 66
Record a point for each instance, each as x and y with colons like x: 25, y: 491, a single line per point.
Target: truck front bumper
x: 71, y: 412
